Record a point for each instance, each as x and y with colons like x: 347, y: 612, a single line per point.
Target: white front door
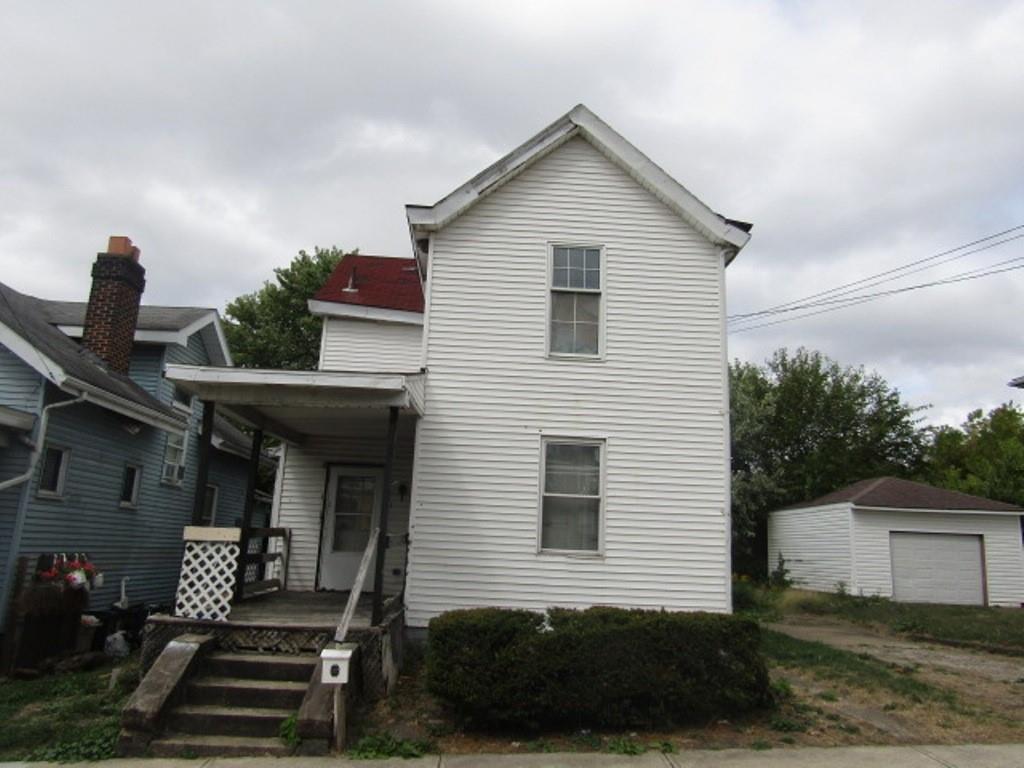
x: 353, y: 510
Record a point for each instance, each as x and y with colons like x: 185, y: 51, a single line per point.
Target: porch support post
x: 385, y: 508
x: 203, y: 475
x: 250, y: 505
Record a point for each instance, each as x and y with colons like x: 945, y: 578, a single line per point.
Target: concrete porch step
x: 260, y: 666
x: 213, y: 720
x: 246, y: 692
x: 182, y: 745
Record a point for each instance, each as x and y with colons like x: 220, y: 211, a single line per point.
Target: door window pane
x: 353, y: 513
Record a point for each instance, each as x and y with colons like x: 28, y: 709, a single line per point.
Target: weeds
x: 379, y: 746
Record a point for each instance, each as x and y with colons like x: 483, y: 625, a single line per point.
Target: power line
x: 839, y: 300
x: 854, y: 300
x: 901, y: 268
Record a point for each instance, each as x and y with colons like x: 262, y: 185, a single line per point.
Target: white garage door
x: 937, y: 568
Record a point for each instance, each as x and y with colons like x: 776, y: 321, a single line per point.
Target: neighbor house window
x: 130, y: 485
x: 182, y: 399
x: 210, y: 505
x: 174, y: 458
x: 572, y: 495
x: 575, y: 301
x: 55, y: 468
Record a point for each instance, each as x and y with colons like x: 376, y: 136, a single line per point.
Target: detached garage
x: 908, y: 541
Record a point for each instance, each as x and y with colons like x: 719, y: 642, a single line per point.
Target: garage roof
x: 892, y: 492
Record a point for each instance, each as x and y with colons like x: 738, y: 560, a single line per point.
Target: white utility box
x: 335, y: 665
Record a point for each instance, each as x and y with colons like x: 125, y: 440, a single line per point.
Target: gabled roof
x: 894, y: 493
x: 150, y: 318
x: 27, y: 332
x: 156, y: 324
x: 580, y: 121
x: 360, y: 283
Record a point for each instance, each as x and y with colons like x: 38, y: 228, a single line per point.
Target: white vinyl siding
x: 815, y: 544
x: 1004, y: 562
x: 366, y: 345
x: 657, y: 398
x: 358, y: 440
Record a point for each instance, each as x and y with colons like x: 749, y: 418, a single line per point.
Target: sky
x: 224, y: 137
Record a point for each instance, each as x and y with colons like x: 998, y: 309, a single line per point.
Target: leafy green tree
x: 985, y: 456
x: 272, y: 327
x: 802, y: 426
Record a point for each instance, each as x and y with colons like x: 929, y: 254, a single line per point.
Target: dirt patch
x: 898, y: 650
x: 989, y: 687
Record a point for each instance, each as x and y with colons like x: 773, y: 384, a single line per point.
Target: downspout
x: 40, y: 438
x: 19, y: 523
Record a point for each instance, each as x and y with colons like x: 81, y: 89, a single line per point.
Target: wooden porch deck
x: 301, y: 609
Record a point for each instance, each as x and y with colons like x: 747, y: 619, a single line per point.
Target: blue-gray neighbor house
x: 98, y: 451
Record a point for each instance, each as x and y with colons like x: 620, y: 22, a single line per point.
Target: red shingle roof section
x: 906, y: 494
x: 374, y: 281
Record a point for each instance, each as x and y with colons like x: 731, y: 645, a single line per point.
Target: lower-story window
x: 572, y: 494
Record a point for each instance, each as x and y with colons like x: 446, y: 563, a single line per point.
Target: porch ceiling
x: 295, y: 404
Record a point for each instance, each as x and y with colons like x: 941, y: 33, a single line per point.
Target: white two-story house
x: 533, y: 408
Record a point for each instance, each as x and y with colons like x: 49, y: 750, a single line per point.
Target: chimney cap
x: 119, y: 245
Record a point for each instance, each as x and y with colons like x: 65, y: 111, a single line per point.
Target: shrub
x: 603, y: 667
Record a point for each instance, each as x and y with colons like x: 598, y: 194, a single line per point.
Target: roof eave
x: 424, y: 219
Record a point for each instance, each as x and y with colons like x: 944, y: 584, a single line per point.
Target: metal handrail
x: 357, y: 587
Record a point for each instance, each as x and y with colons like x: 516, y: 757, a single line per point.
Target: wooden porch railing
x: 357, y: 587
x: 271, y: 571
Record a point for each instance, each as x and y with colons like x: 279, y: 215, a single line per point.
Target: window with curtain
x: 575, y: 301
x: 571, y: 505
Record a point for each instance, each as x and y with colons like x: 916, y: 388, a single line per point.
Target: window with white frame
x: 54, y: 471
x: 130, y: 481
x: 575, y: 301
x: 572, y: 494
x: 174, y: 458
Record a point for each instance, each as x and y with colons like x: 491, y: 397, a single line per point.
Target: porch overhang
x: 295, y: 404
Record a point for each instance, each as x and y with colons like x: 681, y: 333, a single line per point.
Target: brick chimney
x: 113, y: 310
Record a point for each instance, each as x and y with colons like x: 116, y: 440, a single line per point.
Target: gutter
x: 37, y: 452
x: 125, y: 407
x: 22, y: 513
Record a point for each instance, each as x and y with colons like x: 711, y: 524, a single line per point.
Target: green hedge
x: 603, y: 667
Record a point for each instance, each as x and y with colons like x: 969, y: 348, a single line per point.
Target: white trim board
x: 580, y: 121
x: 358, y: 312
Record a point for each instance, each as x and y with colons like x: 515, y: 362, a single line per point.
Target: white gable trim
x: 31, y: 356
x: 181, y: 337
x: 580, y: 121
x: 56, y: 375
x: 335, y: 309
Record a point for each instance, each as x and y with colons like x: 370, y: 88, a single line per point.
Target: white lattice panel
x: 207, y: 582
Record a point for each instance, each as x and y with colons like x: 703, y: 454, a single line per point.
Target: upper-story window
x: 575, y: 301
x: 175, y: 452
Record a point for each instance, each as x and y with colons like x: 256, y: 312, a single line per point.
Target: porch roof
x: 295, y: 404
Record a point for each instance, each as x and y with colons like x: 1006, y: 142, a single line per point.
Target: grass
x: 839, y: 666
x: 65, y: 717
x: 995, y: 627
x: 379, y: 746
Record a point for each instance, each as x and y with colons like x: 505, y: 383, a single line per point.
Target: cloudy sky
x: 223, y: 137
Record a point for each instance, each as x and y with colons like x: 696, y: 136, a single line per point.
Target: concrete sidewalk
x: 965, y: 756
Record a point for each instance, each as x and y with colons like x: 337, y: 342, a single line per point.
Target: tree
x: 985, y: 456
x: 802, y: 426
x: 272, y: 328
